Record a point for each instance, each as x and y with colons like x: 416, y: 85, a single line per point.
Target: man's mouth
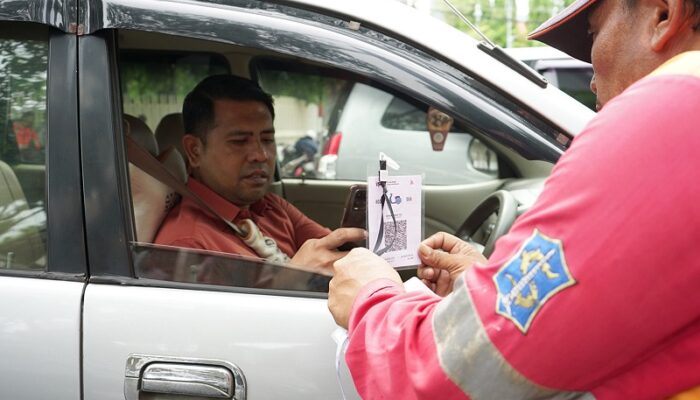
x: 258, y: 176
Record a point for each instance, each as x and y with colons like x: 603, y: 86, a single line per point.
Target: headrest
x: 170, y: 131
x: 141, y: 133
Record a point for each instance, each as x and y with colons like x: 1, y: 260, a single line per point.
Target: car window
x: 308, y: 108
x: 401, y: 115
x: 154, y: 85
x: 332, y: 125
x: 23, y: 77
x: 211, y: 268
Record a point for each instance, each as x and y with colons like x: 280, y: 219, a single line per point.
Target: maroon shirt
x: 187, y: 225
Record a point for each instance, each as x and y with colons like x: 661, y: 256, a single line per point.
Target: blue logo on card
x: 529, y: 279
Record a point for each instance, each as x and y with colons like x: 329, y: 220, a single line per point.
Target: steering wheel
x: 492, y: 218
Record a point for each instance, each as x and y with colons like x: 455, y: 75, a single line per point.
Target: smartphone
x: 355, y: 213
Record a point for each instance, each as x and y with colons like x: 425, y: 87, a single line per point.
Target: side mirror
x: 439, y: 125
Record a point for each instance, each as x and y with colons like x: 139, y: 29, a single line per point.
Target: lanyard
x: 384, y: 199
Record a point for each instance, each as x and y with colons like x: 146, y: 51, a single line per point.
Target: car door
x: 160, y: 321
x: 42, y: 249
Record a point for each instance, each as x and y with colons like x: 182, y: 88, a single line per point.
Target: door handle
x: 192, y: 377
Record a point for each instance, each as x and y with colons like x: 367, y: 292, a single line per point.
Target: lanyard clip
x: 383, y: 173
x: 385, y: 161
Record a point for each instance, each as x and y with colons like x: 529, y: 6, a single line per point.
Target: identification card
x: 395, y: 237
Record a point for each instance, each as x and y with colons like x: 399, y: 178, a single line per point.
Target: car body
x: 374, y: 121
x: 95, y: 311
x: 561, y: 70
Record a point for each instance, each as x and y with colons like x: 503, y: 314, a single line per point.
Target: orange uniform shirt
x: 187, y: 225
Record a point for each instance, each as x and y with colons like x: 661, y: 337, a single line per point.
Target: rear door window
x: 23, y: 127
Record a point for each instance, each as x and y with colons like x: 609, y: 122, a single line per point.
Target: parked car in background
x: 561, y: 70
x: 91, y: 309
x: 367, y: 121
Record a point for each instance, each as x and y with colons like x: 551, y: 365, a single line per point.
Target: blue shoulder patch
x: 533, y: 276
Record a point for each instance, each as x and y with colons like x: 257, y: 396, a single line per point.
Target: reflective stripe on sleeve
x: 472, y: 362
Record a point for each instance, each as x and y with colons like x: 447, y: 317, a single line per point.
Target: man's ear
x: 193, y: 147
x: 671, y: 18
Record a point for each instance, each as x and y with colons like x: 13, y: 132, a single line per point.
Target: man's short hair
x: 198, y: 107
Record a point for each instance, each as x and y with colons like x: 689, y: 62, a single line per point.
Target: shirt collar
x: 221, y: 205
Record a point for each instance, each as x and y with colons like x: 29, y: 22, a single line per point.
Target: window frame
x: 65, y: 259
x: 107, y: 206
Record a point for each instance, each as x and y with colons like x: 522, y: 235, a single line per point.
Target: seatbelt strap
x: 150, y: 165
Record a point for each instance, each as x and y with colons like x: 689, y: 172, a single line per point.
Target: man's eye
x: 237, y: 141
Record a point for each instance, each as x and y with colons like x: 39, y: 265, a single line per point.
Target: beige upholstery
x: 151, y: 199
x: 169, y: 132
x: 172, y: 160
x: 21, y: 227
x: 141, y: 133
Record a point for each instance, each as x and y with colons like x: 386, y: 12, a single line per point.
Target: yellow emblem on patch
x: 533, y: 276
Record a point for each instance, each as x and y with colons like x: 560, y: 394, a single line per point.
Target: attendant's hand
x: 444, y: 257
x: 351, y: 273
x: 318, y: 255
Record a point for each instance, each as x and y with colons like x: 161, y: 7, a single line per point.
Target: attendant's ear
x: 193, y: 147
x: 671, y: 18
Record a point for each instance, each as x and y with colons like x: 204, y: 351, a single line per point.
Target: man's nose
x: 258, y: 152
x: 594, y: 88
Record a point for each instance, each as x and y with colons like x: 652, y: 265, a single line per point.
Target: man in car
x: 230, y: 146
x: 592, y: 293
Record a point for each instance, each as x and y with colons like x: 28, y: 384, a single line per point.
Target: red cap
x: 568, y: 31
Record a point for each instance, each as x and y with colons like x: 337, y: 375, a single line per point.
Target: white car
x: 561, y: 70
x: 371, y: 121
x: 90, y: 308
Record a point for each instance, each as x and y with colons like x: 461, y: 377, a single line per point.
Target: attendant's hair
x: 198, y: 107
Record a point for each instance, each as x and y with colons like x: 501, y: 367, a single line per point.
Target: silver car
x: 375, y: 121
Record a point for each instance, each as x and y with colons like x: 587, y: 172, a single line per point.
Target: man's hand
x: 323, y: 252
x: 444, y: 257
x: 351, y: 273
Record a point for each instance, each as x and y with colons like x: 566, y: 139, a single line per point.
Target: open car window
x: 154, y: 85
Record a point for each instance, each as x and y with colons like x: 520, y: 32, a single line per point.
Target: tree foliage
x: 492, y: 18
x: 23, y: 66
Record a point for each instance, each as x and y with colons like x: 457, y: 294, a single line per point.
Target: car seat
x: 151, y: 199
x: 21, y: 227
x: 170, y: 131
